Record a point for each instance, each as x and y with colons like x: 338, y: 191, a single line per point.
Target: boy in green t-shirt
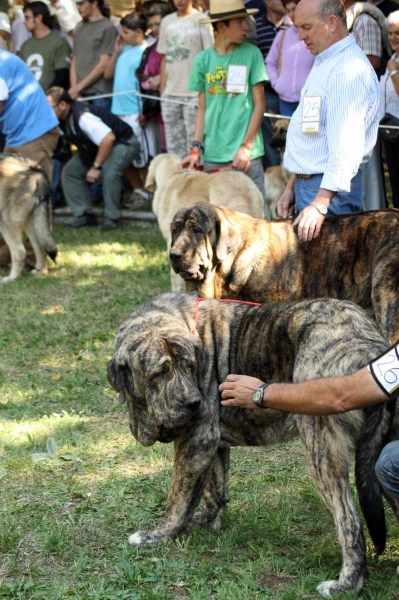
x: 230, y: 80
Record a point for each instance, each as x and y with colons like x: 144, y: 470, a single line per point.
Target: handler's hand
x: 309, y: 223
x: 242, y: 159
x: 237, y: 390
x: 286, y: 203
x: 188, y: 162
x: 93, y: 175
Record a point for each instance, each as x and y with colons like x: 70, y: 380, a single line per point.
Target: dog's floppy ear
x: 120, y: 378
x: 202, y: 357
x: 227, y: 236
x: 150, y: 182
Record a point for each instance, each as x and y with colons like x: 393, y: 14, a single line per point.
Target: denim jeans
x: 387, y: 469
x: 288, y: 108
x: 343, y: 203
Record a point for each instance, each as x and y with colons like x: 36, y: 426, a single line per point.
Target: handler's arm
x: 324, y: 396
x: 242, y: 158
x: 189, y: 161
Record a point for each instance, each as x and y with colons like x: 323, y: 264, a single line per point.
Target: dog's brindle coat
x: 170, y: 377
x: 224, y: 254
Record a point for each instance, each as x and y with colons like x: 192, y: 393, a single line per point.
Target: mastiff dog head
x: 157, y: 369
x: 202, y: 237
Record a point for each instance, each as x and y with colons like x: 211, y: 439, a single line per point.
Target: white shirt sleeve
x: 95, y: 129
x: 350, y: 101
x: 3, y: 90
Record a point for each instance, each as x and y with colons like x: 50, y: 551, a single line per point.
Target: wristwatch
x: 257, y: 396
x: 392, y: 73
x: 97, y: 167
x: 320, y: 207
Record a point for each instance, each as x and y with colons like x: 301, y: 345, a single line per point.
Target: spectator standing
x: 288, y: 64
x: 181, y: 38
x: 367, y: 23
x: 47, y: 54
x: 93, y: 45
x: 335, y: 126
x: 389, y: 103
x: 27, y: 121
x: 68, y: 17
x: 230, y: 80
x: 149, y: 75
x: 5, y: 30
x: 122, y: 66
x: 106, y: 146
x: 268, y: 24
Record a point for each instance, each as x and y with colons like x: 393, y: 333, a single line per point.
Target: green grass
x: 64, y: 523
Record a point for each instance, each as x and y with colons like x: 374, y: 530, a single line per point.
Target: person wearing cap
x: 373, y: 384
x: 5, y: 31
x: 93, y: 46
x: 334, y: 129
x: 47, y: 54
x: 230, y: 80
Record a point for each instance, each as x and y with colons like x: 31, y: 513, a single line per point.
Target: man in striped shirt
x: 325, y: 155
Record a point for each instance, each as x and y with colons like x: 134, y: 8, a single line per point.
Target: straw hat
x: 222, y: 10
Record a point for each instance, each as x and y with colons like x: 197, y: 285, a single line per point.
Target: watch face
x: 257, y: 396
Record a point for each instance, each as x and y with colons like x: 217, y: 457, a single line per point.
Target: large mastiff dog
x: 174, y: 189
x: 224, y: 254
x: 170, y: 357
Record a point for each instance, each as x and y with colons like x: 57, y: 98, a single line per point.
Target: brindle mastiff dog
x: 168, y: 367
x: 224, y: 254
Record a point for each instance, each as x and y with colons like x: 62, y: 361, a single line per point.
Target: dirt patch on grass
x: 276, y: 583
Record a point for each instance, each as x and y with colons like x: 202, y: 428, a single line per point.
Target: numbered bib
x: 311, y: 108
x: 236, y: 77
x: 385, y: 370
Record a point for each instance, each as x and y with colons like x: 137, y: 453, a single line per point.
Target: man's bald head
x: 321, y: 23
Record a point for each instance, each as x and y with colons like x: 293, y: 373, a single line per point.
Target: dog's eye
x: 197, y: 231
x: 162, y: 371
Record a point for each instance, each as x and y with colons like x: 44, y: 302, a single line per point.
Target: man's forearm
x: 105, y: 149
x: 94, y: 75
x: 325, y: 396
x: 256, y: 119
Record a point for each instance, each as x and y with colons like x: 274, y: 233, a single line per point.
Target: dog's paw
x: 144, y: 538
x: 200, y: 520
x: 7, y: 279
x: 328, y: 588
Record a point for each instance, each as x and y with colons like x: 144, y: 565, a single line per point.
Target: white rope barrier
x: 160, y: 99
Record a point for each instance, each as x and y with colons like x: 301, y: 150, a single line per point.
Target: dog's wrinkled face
x: 279, y: 137
x: 197, y: 244
x: 159, y: 375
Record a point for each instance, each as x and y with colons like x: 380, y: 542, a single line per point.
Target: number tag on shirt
x: 385, y: 370
x: 236, y: 78
x: 311, y: 114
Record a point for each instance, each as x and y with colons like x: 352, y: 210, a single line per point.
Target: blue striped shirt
x: 344, y: 78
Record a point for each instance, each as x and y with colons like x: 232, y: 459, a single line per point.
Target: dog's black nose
x: 192, y: 404
x: 175, y: 255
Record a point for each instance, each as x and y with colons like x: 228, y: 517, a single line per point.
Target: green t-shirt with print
x: 45, y: 56
x: 227, y: 115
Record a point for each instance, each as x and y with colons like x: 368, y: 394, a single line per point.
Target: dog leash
x: 210, y: 171
x: 198, y: 300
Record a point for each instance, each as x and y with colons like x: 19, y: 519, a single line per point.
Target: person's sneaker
x: 85, y: 220
x: 109, y: 224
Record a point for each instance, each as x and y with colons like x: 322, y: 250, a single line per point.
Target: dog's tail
x: 41, y: 215
x: 370, y: 492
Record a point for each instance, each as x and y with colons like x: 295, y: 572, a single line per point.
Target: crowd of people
x: 195, y: 79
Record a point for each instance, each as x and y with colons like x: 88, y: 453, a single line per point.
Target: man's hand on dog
x: 309, y: 222
x: 237, y: 390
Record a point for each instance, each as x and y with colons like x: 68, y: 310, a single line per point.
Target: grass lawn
x: 64, y: 521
